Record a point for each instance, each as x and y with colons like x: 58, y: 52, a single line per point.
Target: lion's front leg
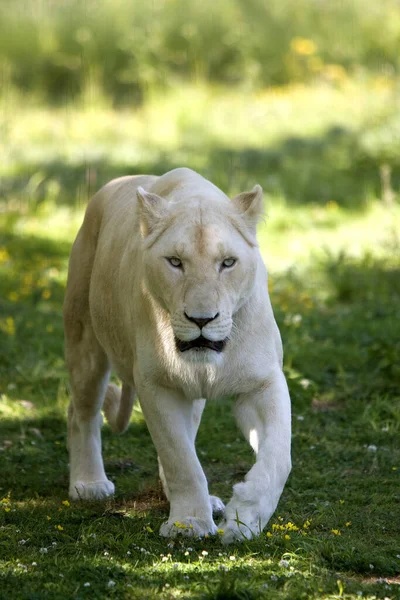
x: 264, y: 417
x: 169, y: 417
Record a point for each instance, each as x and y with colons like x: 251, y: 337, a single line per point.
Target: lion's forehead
x: 204, y: 240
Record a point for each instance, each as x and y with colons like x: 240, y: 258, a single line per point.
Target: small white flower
x: 204, y: 553
x: 167, y: 585
x: 105, y: 553
x: 274, y: 578
x: 232, y: 558
x: 34, y: 564
x: 372, y: 448
x: 371, y: 566
x: 129, y: 553
x: 111, y: 583
x: 175, y: 565
x: 22, y: 542
x: 190, y: 549
x: 284, y: 563
x: 164, y: 558
x: 43, y: 550
x: 87, y: 584
x: 54, y: 543
x: 305, y: 383
x: 300, y: 418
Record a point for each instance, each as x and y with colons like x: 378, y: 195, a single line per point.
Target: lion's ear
x: 250, y: 205
x: 152, y: 209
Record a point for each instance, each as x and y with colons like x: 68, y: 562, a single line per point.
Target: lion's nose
x: 201, y: 321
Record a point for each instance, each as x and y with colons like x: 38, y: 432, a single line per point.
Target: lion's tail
x: 118, y: 406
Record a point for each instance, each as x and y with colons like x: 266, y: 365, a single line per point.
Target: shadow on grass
x: 332, y: 167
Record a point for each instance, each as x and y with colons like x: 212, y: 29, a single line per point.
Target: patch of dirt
x: 324, y: 403
x: 390, y: 580
x: 151, y: 498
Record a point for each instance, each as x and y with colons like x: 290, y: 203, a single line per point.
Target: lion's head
x: 200, y: 260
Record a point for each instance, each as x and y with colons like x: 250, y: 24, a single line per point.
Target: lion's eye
x: 228, y: 262
x: 174, y: 261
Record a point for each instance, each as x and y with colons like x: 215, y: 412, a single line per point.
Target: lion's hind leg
x: 89, y: 371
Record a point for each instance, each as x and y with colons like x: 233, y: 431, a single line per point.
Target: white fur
x: 126, y: 304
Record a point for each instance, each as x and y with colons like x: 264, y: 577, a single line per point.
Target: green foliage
x: 65, y: 49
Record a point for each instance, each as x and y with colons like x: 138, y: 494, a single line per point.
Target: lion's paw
x: 245, y: 517
x: 238, y: 531
x: 91, y: 490
x: 189, y: 527
x: 217, y: 506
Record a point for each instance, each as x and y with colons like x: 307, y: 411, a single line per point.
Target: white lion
x: 166, y: 285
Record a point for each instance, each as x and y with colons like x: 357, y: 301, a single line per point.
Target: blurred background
x: 300, y: 96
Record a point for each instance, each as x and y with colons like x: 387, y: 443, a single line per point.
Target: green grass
x: 335, y: 287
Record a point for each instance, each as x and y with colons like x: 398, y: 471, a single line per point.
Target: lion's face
x: 200, y: 265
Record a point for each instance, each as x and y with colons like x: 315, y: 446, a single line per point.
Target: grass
x: 335, y: 287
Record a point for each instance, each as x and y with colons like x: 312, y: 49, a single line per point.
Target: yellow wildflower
x: 333, y: 206
x: 269, y: 534
x: 60, y: 528
x: 303, y: 46
x: 66, y: 503
x: 220, y: 531
x: 48, y: 518
x: 335, y: 72
x: 287, y: 537
x: 180, y: 525
x: 149, y: 529
x: 4, y: 256
x: 335, y: 531
x: 7, y: 509
x: 46, y: 294
x: 348, y: 523
x: 8, y: 326
x: 5, y: 500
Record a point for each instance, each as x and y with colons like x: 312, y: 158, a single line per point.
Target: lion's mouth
x: 200, y: 343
